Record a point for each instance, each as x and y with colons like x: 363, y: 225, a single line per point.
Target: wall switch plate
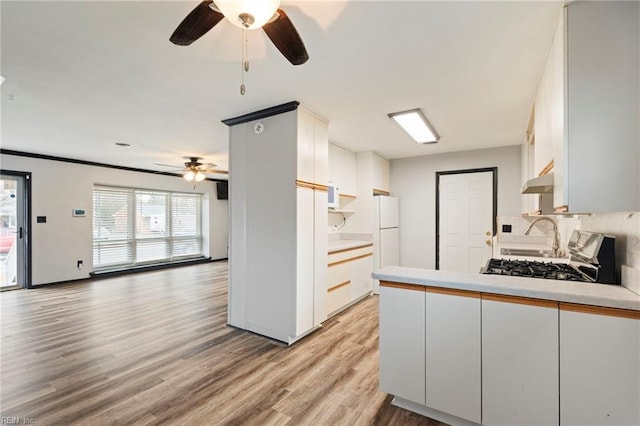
x: 41, y: 219
x: 506, y: 229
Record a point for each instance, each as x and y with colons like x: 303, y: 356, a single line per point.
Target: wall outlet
x: 506, y: 229
x: 80, y: 265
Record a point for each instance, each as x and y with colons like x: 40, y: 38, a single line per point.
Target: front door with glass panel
x: 13, y: 230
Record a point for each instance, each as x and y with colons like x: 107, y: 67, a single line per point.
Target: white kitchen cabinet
x: 519, y: 361
x: 599, y: 366
x: 596, y: 150
x: 402, y: 341
x: 380, y: 174
x: 348, y: 277
x: 453, y: 342
x: 343, y: 169
x: 361, y: 269
x: 278, y: 238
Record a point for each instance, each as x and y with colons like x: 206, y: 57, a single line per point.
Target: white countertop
x: 611, y: 296
x: 337, y: 245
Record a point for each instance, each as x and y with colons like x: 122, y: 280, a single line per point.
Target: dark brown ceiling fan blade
x: 286, y: 39
x: 168, y: 165
x: 196, y: 24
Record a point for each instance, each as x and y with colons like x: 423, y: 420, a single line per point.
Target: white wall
x: 58, y: 187
x: 413, y: 181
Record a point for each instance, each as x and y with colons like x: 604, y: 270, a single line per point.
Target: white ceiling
x: 81, y: 75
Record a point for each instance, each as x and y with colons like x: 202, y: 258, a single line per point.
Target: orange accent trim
x: 454, y: 292
x: 303, y: 184
x: 599, y: 310
x: 520, y: 300
x: 322, y: 188
x: 547, y: 168
x: 380, y: 192
x: 404, y: 286
x: 349, y: 259
x: 352, y: 248
x: 561, y: 209
x: 335, y: 287
x: 348, y: 196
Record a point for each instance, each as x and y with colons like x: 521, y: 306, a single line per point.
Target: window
x: 134, y: 226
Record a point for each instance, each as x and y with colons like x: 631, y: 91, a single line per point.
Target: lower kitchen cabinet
x: 519, y: 361
x: 348, y: 277
x: 402, y: 341
x: 599, y: 366
x: 453, y: 342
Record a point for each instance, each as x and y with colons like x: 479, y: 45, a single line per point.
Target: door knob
x: 488, y: 242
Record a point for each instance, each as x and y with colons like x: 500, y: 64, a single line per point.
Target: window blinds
x: 134, y: 226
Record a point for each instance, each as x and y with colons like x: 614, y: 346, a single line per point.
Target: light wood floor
x: 154, y: 348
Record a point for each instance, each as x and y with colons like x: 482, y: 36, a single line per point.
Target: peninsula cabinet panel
x: 599, y: 368
x: 453, y: 370
x: 402, y: 342
x: 519, y: 362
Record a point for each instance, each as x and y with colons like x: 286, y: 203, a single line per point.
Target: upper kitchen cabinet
x: 313, y: 134
x: 342, y: 169
x: 373, y: 171
x: 594, y: 108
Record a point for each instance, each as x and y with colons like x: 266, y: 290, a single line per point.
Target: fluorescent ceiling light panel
x: 415, y: 124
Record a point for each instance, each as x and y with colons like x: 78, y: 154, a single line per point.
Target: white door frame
x: 24, y: 225
x: 494, y: 172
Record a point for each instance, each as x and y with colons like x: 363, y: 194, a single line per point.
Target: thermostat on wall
x: 79, y: 212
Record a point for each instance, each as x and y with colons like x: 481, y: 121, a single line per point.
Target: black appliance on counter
x: 592, y: 260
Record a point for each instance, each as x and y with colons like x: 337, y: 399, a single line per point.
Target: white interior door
x: 465, y: 220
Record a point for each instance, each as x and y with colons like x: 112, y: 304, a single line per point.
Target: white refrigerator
x: 386, y: 234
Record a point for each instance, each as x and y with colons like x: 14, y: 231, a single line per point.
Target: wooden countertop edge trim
x: 520, y: 300
x: 337, y: 286
x: 311, y: 185
x: 380, y: 192
x: 347, y: 196
x: 404, y: 286
x: 349, y: 259
x: 351, y: 248
x: 454, y: 292
x: 600, y: 310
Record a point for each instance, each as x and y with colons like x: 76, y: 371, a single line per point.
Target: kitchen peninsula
x: 486, y: 349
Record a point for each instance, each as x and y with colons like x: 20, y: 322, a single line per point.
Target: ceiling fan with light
x: 248, y: 15
x: 194, y: 170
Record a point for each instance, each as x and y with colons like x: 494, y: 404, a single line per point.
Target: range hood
x: 539, y: 185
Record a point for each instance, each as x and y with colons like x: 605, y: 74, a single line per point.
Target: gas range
x: 592, y: 260
x: 536, y: 269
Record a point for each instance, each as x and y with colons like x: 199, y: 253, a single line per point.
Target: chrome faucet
x: 556, y: 235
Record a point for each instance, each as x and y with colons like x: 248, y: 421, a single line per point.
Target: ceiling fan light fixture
x: 249, y: 14
x: 199, y: 176
x: 189, y: 176
x: 415, y: 124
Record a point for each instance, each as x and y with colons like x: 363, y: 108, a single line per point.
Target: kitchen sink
x: 527, y: 252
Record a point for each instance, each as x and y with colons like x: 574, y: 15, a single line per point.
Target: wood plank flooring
x: 154, y: 348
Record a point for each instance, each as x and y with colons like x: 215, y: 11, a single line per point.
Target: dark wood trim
x: 263, y: 113
x: 494, y: 171
x: 92, y: 163
x: 27, y: 233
